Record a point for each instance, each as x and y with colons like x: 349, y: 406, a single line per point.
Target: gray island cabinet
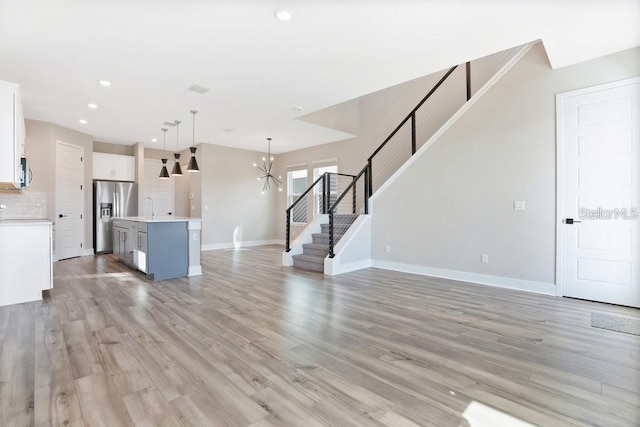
x: 161, y: 247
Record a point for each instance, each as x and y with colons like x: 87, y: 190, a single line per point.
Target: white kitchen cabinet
x: 114, y: 167
x: 12, y: 135
x: 25, y: 260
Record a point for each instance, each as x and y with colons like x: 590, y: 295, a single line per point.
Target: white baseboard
x: 346, y: 268
x: 464, y: 276
x: 248, y: 243
x: 87, y: 252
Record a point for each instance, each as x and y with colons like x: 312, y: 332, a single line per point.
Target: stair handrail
x: 367, y: 171
x: 412, y: 116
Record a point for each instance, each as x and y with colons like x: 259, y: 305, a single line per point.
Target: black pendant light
x: 164, y: 173
x: 177, y: 170
x: 193, y: 163
x: 267, y: 165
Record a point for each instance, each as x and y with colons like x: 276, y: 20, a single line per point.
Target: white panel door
x: 599, y: 149
x: 160, y: 190
x: 69, y: 200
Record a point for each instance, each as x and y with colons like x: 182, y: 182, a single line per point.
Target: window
x: 296, y: 185
x: 317, y: 192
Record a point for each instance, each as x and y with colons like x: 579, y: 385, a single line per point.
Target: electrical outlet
x: 519, y: 205
x: 484, y: 259
x: 387, y: 249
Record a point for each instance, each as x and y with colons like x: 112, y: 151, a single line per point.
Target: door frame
x: 82, y: 213
x: 560, y: 173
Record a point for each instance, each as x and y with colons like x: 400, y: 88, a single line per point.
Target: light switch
x: 519, y: 205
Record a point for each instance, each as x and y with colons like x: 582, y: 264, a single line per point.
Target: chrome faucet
x: 153, y: 209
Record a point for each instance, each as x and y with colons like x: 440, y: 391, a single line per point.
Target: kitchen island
x: 165, y: 247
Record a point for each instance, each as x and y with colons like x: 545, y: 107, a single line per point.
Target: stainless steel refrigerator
x: 111, y: 199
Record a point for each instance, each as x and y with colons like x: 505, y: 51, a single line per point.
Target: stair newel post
x: 327, y: 190
x: 354, y: 194
x: 370, y: 180
x: 413, y: 133
x: 324, y: 193
x: 367, y: 172
x: 288, y: 231
x: 331, y: 254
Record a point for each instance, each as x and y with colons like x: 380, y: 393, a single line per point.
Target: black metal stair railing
x: 353, y: 201
x: 417, y: 127
x: 316, y: 200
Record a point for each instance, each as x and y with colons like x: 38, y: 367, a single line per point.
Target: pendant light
x: 267, y: 164
x: 164, y: 173
x: 193, y: 163
x: 177, y: 170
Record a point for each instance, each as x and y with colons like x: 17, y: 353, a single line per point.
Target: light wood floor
x: 254, y: 343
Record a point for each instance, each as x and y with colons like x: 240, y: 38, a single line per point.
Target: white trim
x: 560, y: 99
x: 475, y: 278
x: 559, y: 192
x: 247, y: 243
x: 467, y: 105
x: 297, y: 166
x: 87, y: 252
x: 334, y: 159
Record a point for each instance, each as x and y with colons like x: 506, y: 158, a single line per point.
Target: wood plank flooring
x: 251, y: 343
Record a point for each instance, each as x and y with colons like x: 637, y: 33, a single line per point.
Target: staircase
x: 313, y: 254
x: 342, y: 197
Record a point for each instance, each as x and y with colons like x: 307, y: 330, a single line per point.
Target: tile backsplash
x: 28, y: 204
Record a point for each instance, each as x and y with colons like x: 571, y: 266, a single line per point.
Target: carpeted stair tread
x: 318, y: 249
x: 313, y: 254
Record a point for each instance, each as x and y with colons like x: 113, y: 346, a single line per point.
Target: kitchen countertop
x: 159, y: 219
x: 25, y: 221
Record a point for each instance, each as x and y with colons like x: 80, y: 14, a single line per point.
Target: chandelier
x: 267, y: 165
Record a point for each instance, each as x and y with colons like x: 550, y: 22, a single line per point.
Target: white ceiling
x: 260, y: 69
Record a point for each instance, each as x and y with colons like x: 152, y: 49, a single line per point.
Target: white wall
x: 227, y: 197
x: 455, y: 202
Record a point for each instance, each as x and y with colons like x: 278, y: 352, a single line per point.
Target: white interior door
x: 69, y: 200
x: 160, y: 190
x: 598, y: 188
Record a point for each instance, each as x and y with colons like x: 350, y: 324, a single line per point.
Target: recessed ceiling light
x: 105, y: 83
x: 92, y: 106
x: 283, y: 15
x: 154, y: 139
x: 82, y: 121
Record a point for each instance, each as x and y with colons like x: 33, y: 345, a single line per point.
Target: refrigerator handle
x: 115, y: 205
